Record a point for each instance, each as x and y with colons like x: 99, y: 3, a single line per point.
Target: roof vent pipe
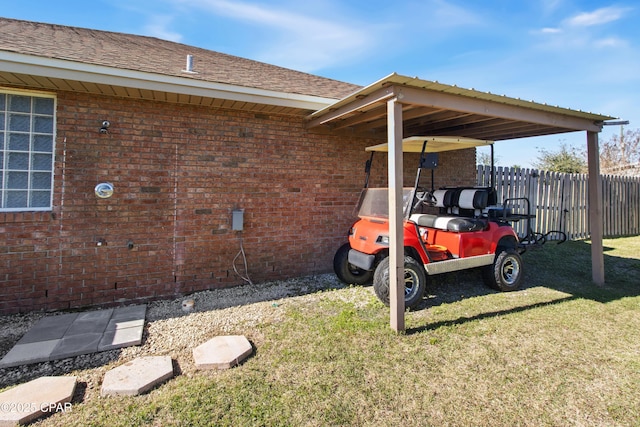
x: 189, y: 67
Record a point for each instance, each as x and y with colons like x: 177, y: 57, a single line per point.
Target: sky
x: 578, y: 54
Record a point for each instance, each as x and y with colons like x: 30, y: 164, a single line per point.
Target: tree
x: 568, y: 160
x: 484, y: 158
x: 621, y: 150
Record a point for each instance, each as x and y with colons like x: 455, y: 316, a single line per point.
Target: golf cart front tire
x: 348, y: 273
x: 415, y: 281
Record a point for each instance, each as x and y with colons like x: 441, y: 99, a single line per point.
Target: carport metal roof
x: 403, y: 107
x: 432, y: 108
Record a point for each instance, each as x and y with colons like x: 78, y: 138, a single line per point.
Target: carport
x: 403, y: 106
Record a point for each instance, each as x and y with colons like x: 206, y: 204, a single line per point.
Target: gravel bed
x: 169, y: 330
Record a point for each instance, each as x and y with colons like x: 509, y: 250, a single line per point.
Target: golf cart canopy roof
x: 435, y: 144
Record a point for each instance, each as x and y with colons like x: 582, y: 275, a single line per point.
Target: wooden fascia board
x: 415, y: 96
x: 377, y: 113
x: 322, y: 118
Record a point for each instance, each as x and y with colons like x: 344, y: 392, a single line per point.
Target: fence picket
x: 559, y: 201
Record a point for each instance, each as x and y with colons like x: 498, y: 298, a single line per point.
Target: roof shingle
x: 153, y: 55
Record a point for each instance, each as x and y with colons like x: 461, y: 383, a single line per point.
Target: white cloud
x: 159, y: 27
x: 610, y: 42
x: 296, y: 40
x: 446, y: 14
x: 579, y: 31
x: 597, y: 17
x: 549, y: 6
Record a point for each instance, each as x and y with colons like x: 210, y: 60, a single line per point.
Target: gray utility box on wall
x: 237, y: 219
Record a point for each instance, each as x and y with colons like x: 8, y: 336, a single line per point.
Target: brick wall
x: 178, y: 172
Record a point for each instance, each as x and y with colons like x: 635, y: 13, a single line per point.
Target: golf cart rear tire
x: 414, y: 274
x: 347, y: 273
x: 505, y: 274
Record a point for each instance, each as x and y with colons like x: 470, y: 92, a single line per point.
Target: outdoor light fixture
x: 104, y: 190
x: 105, y: 126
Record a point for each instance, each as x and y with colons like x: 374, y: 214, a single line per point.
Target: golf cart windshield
x: 374, y: 202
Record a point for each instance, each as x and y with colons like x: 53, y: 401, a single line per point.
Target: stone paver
x: 48, y: 328
x: 33, y: 352
x: 90, y: 322
x: 222, y: 352
x: 73, y: 334
x: 137, y: 376
x: 75, y: 345
x: 29, y: 401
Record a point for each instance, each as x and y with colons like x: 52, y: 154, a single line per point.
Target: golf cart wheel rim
x: 355, y: 270
x: 510, y: 270
x: 410, y: 282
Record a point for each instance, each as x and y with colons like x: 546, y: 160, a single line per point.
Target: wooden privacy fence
x: 559, y: 201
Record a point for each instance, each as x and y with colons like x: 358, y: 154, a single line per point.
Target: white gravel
x: 169, y: 330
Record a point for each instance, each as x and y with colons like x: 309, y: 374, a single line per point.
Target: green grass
x: 561, y: 351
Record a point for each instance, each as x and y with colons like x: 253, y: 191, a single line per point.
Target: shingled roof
x: 153, y: 55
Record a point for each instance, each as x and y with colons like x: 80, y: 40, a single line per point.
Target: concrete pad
x: 48, y: 328
x: 132, y: 312
x: 119, y: 338
x: 75, y: 345
x: 67, y: 335
x: 222, y: 352
x: 137, y: 377
x: 22, y: 354
x: 90, y: 322
x: 31, y: 400
x: 124, y: 324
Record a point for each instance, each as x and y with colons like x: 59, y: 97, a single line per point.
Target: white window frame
x: 4, y: 150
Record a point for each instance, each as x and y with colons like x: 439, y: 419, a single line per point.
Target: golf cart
x: 464, y: 228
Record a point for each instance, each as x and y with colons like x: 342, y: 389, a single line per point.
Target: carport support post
x: 396, y: 217
x: 596, y: 221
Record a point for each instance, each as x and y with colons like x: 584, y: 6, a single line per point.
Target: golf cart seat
x: 463, y: 201
x: 457, y: 224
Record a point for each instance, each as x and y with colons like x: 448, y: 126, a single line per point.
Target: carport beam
x: 596, y: 221
x: 396, y: 229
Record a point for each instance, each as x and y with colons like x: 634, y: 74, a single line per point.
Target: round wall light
x: 104, y: 190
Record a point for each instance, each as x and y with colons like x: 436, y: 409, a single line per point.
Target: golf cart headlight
x: 383, y: 240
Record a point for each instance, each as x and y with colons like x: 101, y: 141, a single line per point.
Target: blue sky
x: 583, y: 55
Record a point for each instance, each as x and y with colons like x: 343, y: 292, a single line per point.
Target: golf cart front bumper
x: 361, y: 260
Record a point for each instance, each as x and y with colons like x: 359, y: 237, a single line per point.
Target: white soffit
x: 98, y: 74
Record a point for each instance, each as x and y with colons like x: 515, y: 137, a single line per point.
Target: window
x: 27, y: 128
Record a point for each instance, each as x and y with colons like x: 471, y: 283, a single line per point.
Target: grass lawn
x: 559, y: 352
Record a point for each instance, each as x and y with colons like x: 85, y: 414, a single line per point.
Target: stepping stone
x: 222, y: 352
x: 138, y: 376
x: 45, y: 395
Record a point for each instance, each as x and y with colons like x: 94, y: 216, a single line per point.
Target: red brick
x: 178, y: 172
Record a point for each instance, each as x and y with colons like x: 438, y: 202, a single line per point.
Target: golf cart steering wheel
x: 426, y: 198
